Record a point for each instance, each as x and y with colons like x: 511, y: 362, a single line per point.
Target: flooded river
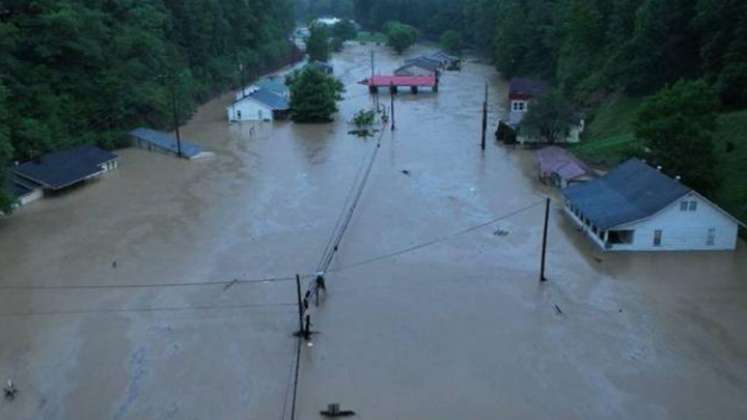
x: 458, y: 329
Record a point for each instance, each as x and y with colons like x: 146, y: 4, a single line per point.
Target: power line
x: 437, y: 240
x: 151, y: 285
x: 327, y: 261
x: 151, y: 310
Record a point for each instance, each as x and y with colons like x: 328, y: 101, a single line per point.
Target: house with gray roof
x: 259, y: 105
x: 59, y: 170
x: 636, y: 207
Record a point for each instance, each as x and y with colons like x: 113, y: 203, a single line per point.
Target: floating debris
x: 557, y: 309
x: 406, y: 172
x: 501, y: 232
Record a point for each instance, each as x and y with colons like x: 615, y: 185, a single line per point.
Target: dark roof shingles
x: 630, y: 192
x: 61, y: 169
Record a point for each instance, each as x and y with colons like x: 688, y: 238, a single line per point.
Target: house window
x: 657, y: 237
x: 711, y: 239
x: 693, y: 205
x: 683, y: 206
x: 238, y: 114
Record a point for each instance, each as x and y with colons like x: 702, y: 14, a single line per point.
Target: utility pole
x: 300, y: 331
x: 544, y: 241
x: 391, y: 94
x: 484, y: 117
x: 243, y: 79
x: 176, y: 118
x: 372, y: 64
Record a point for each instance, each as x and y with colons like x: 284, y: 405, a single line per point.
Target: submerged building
x: 635, y: 207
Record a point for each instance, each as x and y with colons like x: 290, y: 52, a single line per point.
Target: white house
x: 635, y: 207
x: 258, y: 105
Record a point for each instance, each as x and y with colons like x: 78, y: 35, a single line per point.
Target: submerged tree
x: 314, y: 96
x: 677, y: 125
x: 550, y: 117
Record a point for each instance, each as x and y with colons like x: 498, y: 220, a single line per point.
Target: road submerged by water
x: 460, y: 329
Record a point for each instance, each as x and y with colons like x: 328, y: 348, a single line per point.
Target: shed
x: 163, y: 142
x: 635, y: 207
x: 59, y: 170
x: 560, y: 168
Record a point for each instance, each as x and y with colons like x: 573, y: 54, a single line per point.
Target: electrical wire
x: 151, y: 285
x: 150, y: 310
x: 437, y: 240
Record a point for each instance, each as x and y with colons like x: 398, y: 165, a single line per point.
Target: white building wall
x: 680, y: 230
x: 249, y: 110
x: 684, y: 230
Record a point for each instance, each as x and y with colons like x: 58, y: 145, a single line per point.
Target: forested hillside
x: 84, y: 71
x: 593, y: 47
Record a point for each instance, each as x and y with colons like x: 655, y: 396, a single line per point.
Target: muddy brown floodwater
x: 457, y: 330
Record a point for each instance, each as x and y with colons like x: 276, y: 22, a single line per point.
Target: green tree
x: 677, y: 125
x: 400, y: 36
x: 550, y: 118
x: 452, y: 41
x: 345, y: 30
x: 6, y: 152
x: 317, y: 46
x: 314, y: 96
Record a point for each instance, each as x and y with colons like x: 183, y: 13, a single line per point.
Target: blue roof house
x: 259, y: 105
x: 635, y: 207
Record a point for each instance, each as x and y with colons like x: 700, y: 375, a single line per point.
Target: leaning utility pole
x: 391, y: 94
x: 544, y: 241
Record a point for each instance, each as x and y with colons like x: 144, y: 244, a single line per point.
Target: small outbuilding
x: 420, y: 66
x: 59, y: 170
x: 158, y: 141
x: 558, y: 167
x: 635, y: 207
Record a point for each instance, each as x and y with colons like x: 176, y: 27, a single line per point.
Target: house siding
x: 248, y: 110
x: 680, y: 230
x: 684, y: 230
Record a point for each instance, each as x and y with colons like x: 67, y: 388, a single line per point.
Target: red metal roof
x: 420, y: 81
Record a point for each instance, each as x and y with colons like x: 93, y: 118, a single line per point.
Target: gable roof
x: 556, y: 160
x: 424, y: 62
x: 527, y: 88
x: 630, y: 192
x: 275, y: 85
x: 268, y: 99
x: 61, y: 169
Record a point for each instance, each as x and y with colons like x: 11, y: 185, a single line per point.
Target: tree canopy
x: 317, y: 46
x: 83, y: 71
x: 452, y: 42
x: 314, y: 96
x: 399, y: 36
x: 550, y: 117
x: 677, y: 125
x: 592, y: 47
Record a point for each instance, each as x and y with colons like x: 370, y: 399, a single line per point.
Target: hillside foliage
x: 86, y: 71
